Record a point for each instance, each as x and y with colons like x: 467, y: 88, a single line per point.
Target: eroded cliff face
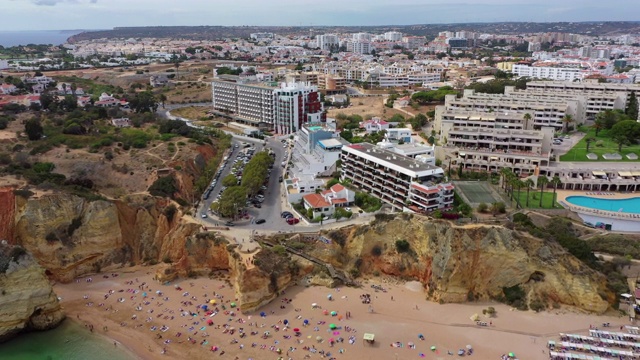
x: 461, y: 263
x: 27, y: 300
x: 70, y: 236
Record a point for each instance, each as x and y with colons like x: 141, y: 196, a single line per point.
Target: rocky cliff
x: 27, y: 300
x: 70, y: 236
x: 461, y: 263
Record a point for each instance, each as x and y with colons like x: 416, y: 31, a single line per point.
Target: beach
x: 156, y: 321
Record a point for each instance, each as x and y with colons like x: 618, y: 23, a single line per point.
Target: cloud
x: 55, y: 2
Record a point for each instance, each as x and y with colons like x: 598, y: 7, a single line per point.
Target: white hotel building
x: 283, y: 109
x: 400, y: 181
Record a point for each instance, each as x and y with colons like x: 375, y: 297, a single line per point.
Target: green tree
x: 542, y: 182
x: 632, y: 107
x: 529, y: 184
x: 229, y: 180
x: 233, y: 199
x: 34, y: 129
x: 162, y: 98
x: 164, y: 186
x: 555, y: 181
x: 255, y: 172
x: 566, y: 120
x: 598, y: 125
x: 588, y: 140
x: 625, y: 132
x: 143, y: 101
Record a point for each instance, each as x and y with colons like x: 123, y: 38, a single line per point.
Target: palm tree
x: 519, y: 184
x: 162, y: 98
x: 566, y: 120
x: 515, y: 183
x: 504, y: 173
x: 527, y: 118
x: 589, y: 140
x: 598, y: 125
x: 555, y: 181
x: 542, y: 182
x: 529, y: 184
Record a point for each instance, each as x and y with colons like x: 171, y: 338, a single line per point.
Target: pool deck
x: 562, y: 200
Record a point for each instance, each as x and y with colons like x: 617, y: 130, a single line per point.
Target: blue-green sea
x: 69, y: 341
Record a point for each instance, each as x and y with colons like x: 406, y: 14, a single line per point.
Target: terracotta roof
x: 316, y: 200
x: 337, y: 188
x: 339, y: 201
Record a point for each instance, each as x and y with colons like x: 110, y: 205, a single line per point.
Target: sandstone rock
x: 27, y: 300
x: 458, y: 263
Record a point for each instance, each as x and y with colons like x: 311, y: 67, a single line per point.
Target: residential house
x: 8, y: 89
x: 121, y: 122
x: 106, y: 100
x: 325, y: 203
x: 374, y: 125
x: 158, y: 80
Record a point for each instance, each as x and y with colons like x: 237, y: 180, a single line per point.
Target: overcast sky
x: 105, y: 14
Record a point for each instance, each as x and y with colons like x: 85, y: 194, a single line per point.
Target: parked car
x: 292, y: 221
x: 257, y: 205
x: 229, y: 223
x: 285, y: 213
x: 261, y: 221
x: 204, y: 216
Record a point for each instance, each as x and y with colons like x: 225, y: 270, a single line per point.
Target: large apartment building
x: 404, y: 183
x: 543, y: 111
x: 547, y: 72
x: 591, y: 89
x: 283, y: 109
x: 328, y: 42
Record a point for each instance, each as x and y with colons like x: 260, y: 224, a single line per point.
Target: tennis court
x: 477, y: 192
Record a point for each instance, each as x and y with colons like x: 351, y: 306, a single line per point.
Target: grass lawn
x: 579, y: 151
x: 534, y: 199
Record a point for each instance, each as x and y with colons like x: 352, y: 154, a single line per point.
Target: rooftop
x: 400, y: 162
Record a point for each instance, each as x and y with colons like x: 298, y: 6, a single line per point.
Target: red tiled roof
x: 337, y: 188
x: 316, y: 200
x: 339, y: 201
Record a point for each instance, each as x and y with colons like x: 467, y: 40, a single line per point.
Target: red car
x: 292, y: 221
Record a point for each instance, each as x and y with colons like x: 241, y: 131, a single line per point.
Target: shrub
x: 402, y: 246
x: 482, y: 208
x: 170, y: 211
x: 166, y: 260
x: 164, y: 186
x: 515, y: 297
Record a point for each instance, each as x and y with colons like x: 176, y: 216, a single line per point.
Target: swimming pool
x: 631, y: 205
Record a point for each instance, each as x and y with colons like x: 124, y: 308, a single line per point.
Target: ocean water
x: 54, y: 37
x: 69, y: 341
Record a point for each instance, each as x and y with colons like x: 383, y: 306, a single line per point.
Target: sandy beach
x: 170, y: 321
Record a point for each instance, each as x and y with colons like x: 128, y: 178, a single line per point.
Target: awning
x: 461, y: 154
x: 368, y: 336
x: 493, y: 158
x: 625, y: 173
x: 635, y: 173
x: 598, y: 173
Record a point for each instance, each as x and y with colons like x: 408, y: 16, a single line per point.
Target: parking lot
x: 266, y: 206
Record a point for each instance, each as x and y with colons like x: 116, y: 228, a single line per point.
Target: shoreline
x: 145, y: 317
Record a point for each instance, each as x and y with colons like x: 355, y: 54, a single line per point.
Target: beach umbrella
x: 233, y: 304
x: 210, y: 322
x: 314, y: 305
x: 433, y: 348
x: 212, y: 301
x: 332, y: 326
x: 263, y: 314
x: 325, y: 312
x: 512, y: 354
x: 420, y: 336
x: 306, y: 322
x: 469, y: 347
x: 334, y: 313
x: 421, y: 355
x: 329, y: 296
x: 318, y: 338
x: 286, y: 322
x: 144, y: 294
x: 331, y: 340
x: 296, y: 329
x: 475, y: 317
x: 410, y: 343
x: 158, y: 292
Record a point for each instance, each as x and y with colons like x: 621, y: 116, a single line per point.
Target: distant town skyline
x: 103, y: 14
